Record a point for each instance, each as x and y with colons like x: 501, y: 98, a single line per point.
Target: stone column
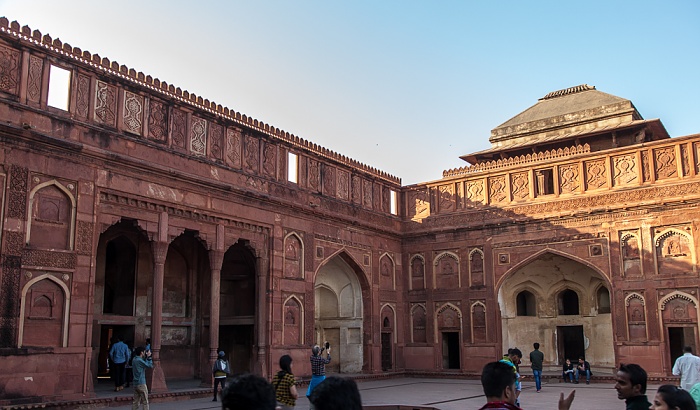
x: 160, y: 251
x: 216, y: 258
x: 262, y: 267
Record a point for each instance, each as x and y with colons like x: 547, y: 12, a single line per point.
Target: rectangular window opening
x: 544, y: 181
x: 394, y: 204
x: 59, y: 87
x: 292, y: 168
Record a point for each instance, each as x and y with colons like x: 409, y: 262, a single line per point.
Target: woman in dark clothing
x: 284, y: 383
x: 568, y: 371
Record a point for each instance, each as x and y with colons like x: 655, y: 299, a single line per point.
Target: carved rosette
x: 497, y: 189
x: 569, y: 179
x: 624, y: 170
x: 179, y: 129
x: 105, y: 103
x: 82, y: 96
x: 233, y: 147
x: 36, y: 66
x: 216, y: 141
x: 133, y: 113
x: 596, y: 174
x: 157, y: 121
x: 9, y: 70
x: 198, y: 137
x: 665, y: 163
x: 520, y: 185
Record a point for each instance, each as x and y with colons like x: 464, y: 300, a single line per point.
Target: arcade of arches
x: 143, y: 211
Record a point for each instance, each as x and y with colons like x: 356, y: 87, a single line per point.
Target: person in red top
x: 498, y: 382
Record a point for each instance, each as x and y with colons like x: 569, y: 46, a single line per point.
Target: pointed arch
x: 293, y: 256
x: 673, y: 255
x: 387, y: 269
x: 669, y: 317
x: 71, y: 217
x: 64, y: 314
x: 418, y: 323
x: 443, y: 308
x: 635, y: 317
x: 298, y: 318
x: 417, y: 269
x: 476, y: 267
x: 478, y: 322
x: 392, y: 308
x: 447, y: 272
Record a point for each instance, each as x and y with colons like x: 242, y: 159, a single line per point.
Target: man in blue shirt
x: 119, y: 354
x: 142, y: 360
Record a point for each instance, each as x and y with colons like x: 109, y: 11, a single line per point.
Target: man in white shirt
x: 688, y: 367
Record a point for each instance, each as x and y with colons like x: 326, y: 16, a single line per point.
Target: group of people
x: 571, y: 374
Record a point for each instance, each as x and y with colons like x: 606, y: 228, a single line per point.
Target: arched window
x: 603, y: 296
x: 567, y: 302
x: 526, y: 304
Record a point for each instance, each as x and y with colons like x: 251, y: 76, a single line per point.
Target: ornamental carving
x: 386, y: 198
x: 82, y: 96
x: 17, y: 206
x: 665, y: 163
x: 269, y: 159
x: 497, y: 189
x: 418, y: 324
x: 377, y: 197
x: 569, y: 178
x: 14, y: 243
x: 9, y: 302
x: 343, y: 179
x: 679, y: 307
x: 293, y: 257
x: 356, y: 189
x: 48, y: 259
x: 157, y: 121
x: 520, y: 186
x: 83, y: 243
x: 198, y: 137
x: 674, y: 251
x: 252, y: 153
x: 367, y: 193
x: 624, y: 170
x: 478, y: 312
x: 36, y: 66
x: 233, y: 147
x: 9, y: 70
x: 292, y: 322
x: 696, y: 149
x: 133, y: 113
x: 216, y: 141
x: 446, y: 195
x: 476, y: 267
x: 105, y: 103
x: 328, y: 173
x: 448, y: 317
x: 475, y: 191
x: 418, y: 204
x: 636, y: 318
x: 179, y: 129
x: 685, y: 159
x: 596, y: 174
x: 646, y: 173
x: 314, y: 175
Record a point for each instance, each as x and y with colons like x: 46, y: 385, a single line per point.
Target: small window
x: 544, y: 180
x: 603, y: 300
x: 526, y: 305
x: 567, y: 302
x: 394, y: 203
x: 59, y: 87
x: 292, y: 168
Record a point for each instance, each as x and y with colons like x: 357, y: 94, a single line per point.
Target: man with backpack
x: 221, y: 370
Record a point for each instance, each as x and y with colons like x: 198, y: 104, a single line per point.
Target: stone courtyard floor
x: 448, y: 394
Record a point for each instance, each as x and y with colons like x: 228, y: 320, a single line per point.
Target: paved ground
x: 449, y: 394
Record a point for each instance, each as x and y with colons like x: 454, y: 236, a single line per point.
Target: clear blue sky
x: 404, y: 86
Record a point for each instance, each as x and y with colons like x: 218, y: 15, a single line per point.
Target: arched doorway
x: 554, y: 299
x: 338, y: 314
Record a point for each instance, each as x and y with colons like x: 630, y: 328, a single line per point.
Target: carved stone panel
x: 685, y: 159
x: 314, y: 175
x: 51, y: 219
x: 475, y: 191
x: 43, y: 315
x: 679, y: 309
x: 36, y: 68
x: 386, y: 273
x: 83, y: 242
x: 133, y: 113
x: 198, y: 137
x: 674, y: 251
x: 418, y: 324
x: 105, y: 103
x: 17, y: 201
x: 356, y: 189
x: 233, y: 147
x: 624, y: 170
x: 367, y: 193
x: 696, y: 149
x: 497, y: 189
x: 520, y: 185
x: 157, y: 121
x: 9, y: 70
x: 343, y: 183
x: 636, y: 319
x: 596, y: 174
x: 377, y: 197
x: 292, y: 322
x: 448, y: 318
x: 293, y: 257
x: 446, y: 269
x: 476, y: 268
x: 328, y: 174
x: 252, y: 154
x: 665, y: 163
x: 646, y: 172
x: 417, y: 273
x: 478, y: 312
x: 179, y: 129
x: 216, y: 141
x: 269, y: 159
x: 569, y: 181
x: 630, y: 248
x: 418, y: 204
x: 446, y: 198
x: 82, y: 96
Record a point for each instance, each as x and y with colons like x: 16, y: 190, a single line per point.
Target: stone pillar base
x: 155, y: 380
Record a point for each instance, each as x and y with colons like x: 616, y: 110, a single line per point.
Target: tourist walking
x: 688, y: 367
x: 318, y: 366
x: 631, y: 386
x: 221, y: 370
x: 536, y: 360
x: 119, y: 354
x: 142, y: 360
x: 284, y: 384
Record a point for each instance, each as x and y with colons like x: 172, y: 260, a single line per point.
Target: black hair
x: 675, y: 397
x: 336, y: 393
x: 248, y: 392
x: 496, y: 377
x: 138, y: 351
x: 285, y: 363
x: 536, y: 345
x: 636, y: 374
x: 515, y: 351
x: 687, y: 349
x: 581, y: 358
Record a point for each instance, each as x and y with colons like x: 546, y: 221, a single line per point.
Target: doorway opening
x: 386, y: 351
x: 570, y: 343
x: 450, y: 350
x: 679, y: 337
x: 108, y: 335
x: 237, y: 341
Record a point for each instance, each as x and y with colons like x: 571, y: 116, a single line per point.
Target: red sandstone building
x: 132, y: 208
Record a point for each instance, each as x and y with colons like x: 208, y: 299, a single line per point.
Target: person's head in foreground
x: 498, y: 382
x: 670, y: 397
x: 337, y: 393
x: 248, y: 392
x: 630, y: 381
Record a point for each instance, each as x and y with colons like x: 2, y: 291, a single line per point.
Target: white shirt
x: 688, y: 367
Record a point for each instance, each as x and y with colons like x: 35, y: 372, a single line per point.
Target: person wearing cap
x: 220, y: 370
x: 318, y: 366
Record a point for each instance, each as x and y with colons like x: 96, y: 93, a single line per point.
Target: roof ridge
x: 568, y: 91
